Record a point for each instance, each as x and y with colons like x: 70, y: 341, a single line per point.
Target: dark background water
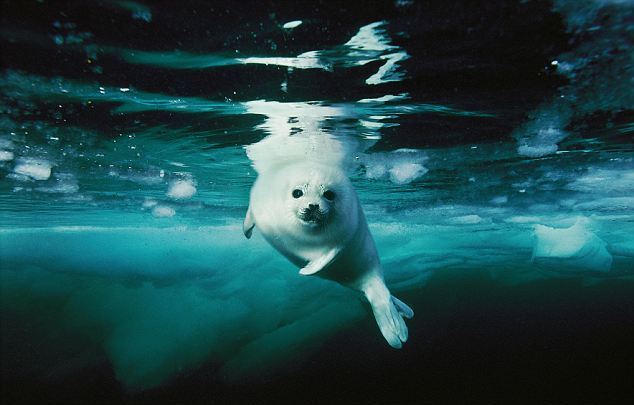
x: 543, y: 342
x: 560, y: 340
x: 491, y: 56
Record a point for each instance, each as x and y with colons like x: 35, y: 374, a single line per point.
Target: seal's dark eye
x: 297, y: 193
x: 329, y: 195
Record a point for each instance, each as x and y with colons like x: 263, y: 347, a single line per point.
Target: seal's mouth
x: 312, y: 216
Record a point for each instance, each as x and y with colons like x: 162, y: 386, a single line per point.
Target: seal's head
x: 315, y: 196
x: 313, y: 204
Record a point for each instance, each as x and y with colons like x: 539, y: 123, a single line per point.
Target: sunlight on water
x: 369, y: 44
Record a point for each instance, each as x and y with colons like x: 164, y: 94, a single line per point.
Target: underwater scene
x: 405, y: 201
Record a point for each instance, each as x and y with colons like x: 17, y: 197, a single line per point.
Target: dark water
x: 490, y: 145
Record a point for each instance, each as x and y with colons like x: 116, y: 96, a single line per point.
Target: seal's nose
x: 313, y: 206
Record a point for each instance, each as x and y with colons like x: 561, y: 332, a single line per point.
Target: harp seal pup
x: 311, y: 214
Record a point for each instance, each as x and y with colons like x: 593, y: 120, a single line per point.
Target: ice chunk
x: 388, y: 72
x: 537, y: 150
x: 576, y: 247
x: 607, y: 204
x: 292, y: 24
x: 386, y: 98
x: 622, y: 249
x: 540, y: 135
x: 404, y: 173
x: 36, y: 169
x: 371, y: 37
x: 163, y: 211
x: 401, y: 166
x: 303, y: 61
x: 6, y: 156
x: 149, y: 203
x: 522, y: 219
x: 65, y: 183
x: 605, y: 180
x: 181, y: 189
x: 465, y: 220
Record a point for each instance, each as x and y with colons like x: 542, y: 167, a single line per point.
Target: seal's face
x: 313, y: 199
x: 314, y: 205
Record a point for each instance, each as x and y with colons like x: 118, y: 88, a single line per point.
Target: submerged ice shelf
x: 577, y: 245
x: 160, y: 299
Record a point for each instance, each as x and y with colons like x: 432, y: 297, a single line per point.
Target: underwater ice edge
x: 151, y: 294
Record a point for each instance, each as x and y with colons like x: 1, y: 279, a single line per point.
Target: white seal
x: 311, y: 214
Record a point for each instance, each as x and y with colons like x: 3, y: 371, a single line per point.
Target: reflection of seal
x: 311, y: 214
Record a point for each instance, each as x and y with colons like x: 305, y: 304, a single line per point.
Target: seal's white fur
x: 337, y: 246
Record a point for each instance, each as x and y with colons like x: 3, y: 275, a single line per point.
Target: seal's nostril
x: 313, y: 206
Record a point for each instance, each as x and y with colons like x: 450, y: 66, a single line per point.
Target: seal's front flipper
x: 248, y: 224
x: 389, y: 313
x: 316, y: 266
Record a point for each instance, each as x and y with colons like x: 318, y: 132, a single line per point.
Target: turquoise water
x: 497, y: 180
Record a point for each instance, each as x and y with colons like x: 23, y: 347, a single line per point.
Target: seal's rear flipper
x: 389, y: 312
x: 248, y: 224
x: 403, y: 308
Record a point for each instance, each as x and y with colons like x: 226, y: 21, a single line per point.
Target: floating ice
x: 304, y: 61
x: 181, y: 189
x: 371, y: 37
x: 163, y: 211
x: 149, y: 203
x: 465, y: 220
x: 523, y: 219
x: 36, y: 169
x: 6, y: 156
x: 577, y: 247
x: 65, y: 183
x: 607, y: 204
x: 292, y: 24
x: 385, y: 99
x: 401, y: 166
x: 606, y: 180
x: 403, y: 173
x: 537, y: 151
x: 369, y: 44
x: 539, y: 136
x: 388, y: 72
